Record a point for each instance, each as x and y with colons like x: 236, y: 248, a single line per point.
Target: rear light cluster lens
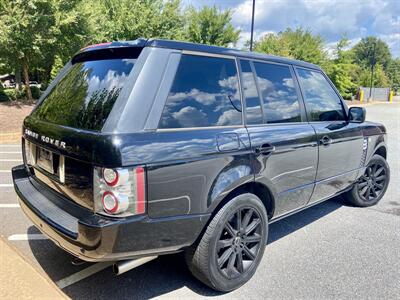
x: 110, y: 176
x: 30, y: 153
x: 119, y: 192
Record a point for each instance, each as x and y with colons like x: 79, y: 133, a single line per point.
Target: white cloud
x: 330, y: 19
x: 199, y: 96
x: 190, y: 116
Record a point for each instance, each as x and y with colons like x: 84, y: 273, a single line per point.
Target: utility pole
x: 372, y: 73
x: 252, y: 26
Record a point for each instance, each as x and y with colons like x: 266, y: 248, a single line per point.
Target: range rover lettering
x: 150, y: 147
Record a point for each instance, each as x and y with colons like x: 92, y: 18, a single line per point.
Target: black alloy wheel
x: 372, y: 184
x: 239, y: 242
x: 232, y: 246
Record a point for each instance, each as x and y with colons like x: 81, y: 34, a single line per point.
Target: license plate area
x: 44, y: 160
x: 50, y: 162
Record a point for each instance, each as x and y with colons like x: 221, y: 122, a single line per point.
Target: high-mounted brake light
x: 119, y: 192
x: 96, y: 45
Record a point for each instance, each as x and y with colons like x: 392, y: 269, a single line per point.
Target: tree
x: 371, y: 51
x: 273, y: 44
x: 211, y: 26
x: 32, y: 31
x: 298, y: 44
x: 26, y: 26
x: 379, y: 79
x: 393, y: 72
x: 340, y: 69
x: 131, y: 19
x: 71, y: 32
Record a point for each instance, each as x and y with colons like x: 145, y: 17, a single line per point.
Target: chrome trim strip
x: 199, y: 53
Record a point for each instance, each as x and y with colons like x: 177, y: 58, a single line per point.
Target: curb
x: 19, y: 279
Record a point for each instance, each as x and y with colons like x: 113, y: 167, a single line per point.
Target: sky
x: 331, y: 19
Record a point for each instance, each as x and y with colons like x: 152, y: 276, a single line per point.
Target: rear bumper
x: 92, y: 237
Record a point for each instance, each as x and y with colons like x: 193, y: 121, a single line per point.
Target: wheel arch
x: 381, y: 150
x: 256, y: 188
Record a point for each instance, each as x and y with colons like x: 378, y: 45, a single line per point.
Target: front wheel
x: 232, y: 246
x: 372, y: 185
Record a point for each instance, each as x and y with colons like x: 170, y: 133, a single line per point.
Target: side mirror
x: 357, y: 114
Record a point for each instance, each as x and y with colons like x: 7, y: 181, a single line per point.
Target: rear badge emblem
x: 45, y: 139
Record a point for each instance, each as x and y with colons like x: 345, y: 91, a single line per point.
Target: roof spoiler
x: 128, y: 49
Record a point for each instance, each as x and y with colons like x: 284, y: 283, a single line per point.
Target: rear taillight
x: 119, y: 192
x: 29, y: 153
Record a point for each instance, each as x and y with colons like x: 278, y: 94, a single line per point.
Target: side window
x: 322, y: 103
x: 205, y: 92
x: 276, y: 84
x: 253, y: 106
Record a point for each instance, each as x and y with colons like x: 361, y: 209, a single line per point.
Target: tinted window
x: 253, y: 109
x: 205, y: 92
x: 84, y: 97
x: 281, y: 103
x: 322, y: 103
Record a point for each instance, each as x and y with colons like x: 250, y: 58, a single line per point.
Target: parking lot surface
x: 331, y: 250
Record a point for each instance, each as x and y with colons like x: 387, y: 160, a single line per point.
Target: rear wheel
x: 232, y: 246
x: 372, y: 185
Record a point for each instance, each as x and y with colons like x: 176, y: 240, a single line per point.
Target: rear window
x: 84, y: 97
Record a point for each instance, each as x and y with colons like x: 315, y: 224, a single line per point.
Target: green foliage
x: 370, y: 51
x: 132, y: 19
x: 340, y: 69
x: 211, y: 26
x: 33, y: 30
x: 56, y: 68
x: 25, y: 29
x: 12, y: 94
x: 348, y: 70
x: 393, y: 72
x: 340, y: 76
x: 3, y: 97
x: 40, y: 36
x: 8, y: 94
x: 298, y: 44
x: 379, y: 80
x: 36, y: 92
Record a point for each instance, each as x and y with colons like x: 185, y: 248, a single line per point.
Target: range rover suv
x: 151, y: 147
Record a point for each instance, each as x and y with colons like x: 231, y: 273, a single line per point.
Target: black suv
x: 151, y: 147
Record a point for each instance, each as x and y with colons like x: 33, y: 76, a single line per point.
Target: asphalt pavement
x: 331, y: 250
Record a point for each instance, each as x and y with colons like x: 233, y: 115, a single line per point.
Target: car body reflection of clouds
x: 227, y: 178
x: 167, y: 150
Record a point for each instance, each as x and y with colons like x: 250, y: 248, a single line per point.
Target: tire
x: 220, y: 268
x: 372, y: 185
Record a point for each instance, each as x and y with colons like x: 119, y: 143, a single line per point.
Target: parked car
x: 151, y: 147
x: 35, y: 84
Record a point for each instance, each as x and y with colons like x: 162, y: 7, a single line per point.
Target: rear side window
x: 276, y: 84
x: 84, y: 97
x: 205, y: 92
x: 322, y: 103
x: 253, y: 107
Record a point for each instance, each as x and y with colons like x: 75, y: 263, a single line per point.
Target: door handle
x: 265, y: 149
x: 326, y: 141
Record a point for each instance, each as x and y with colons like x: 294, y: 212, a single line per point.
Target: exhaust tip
x: 123, y: 266
x: 115, y: 269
